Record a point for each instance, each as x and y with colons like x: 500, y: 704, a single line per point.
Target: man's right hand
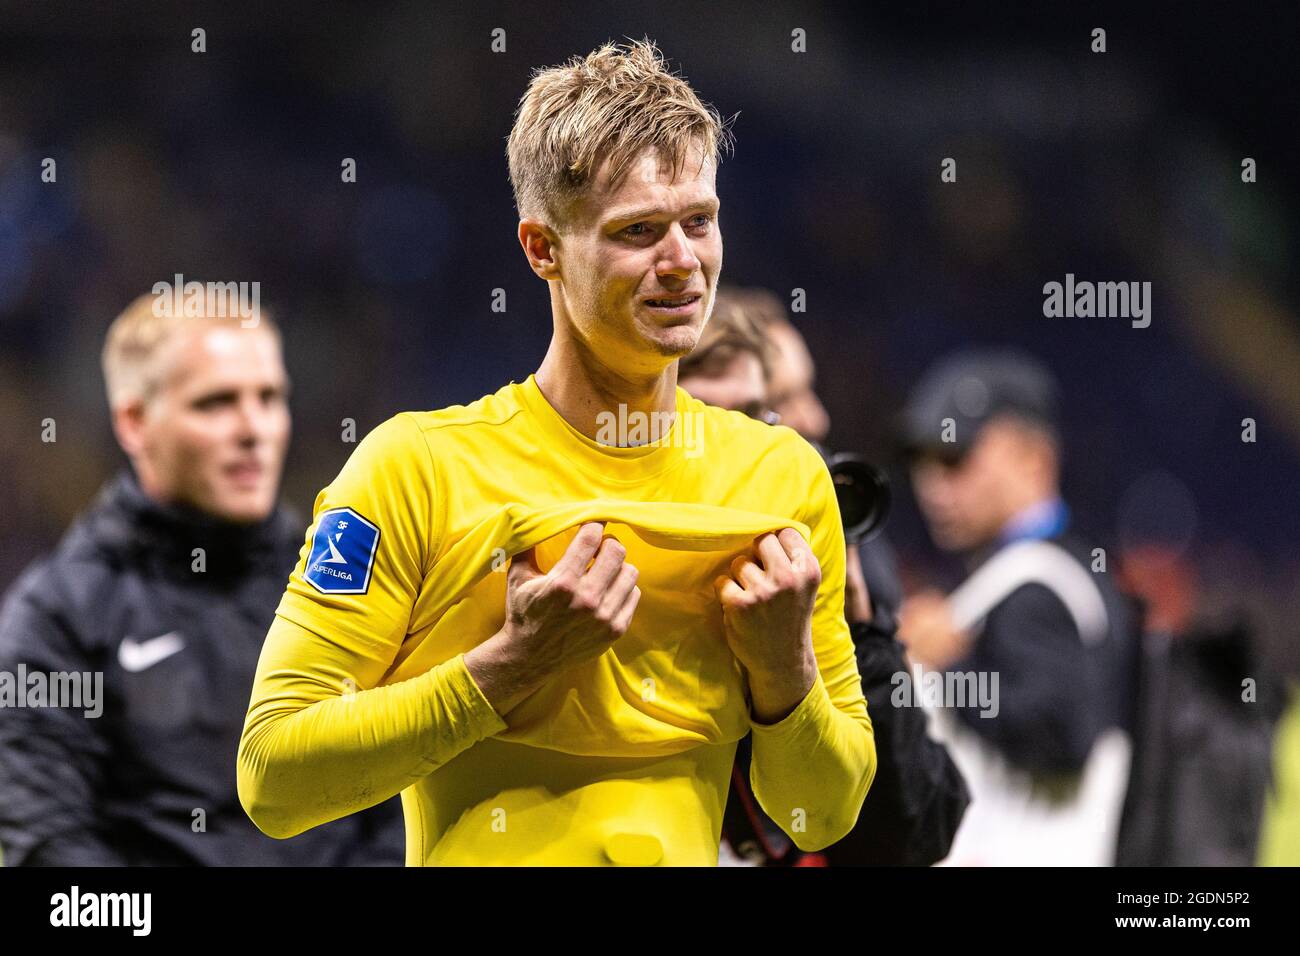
x: 554, y: 621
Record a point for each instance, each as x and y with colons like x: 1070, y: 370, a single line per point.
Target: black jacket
x: 918, y: 798
x: 175, y: 633
x: 1203, y: 751
x: 1056, y: 694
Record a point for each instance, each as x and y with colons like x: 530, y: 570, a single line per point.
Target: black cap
x: 971, y: 388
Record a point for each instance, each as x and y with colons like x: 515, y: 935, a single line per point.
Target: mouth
x: 672, y: 305
x: 245, y: 473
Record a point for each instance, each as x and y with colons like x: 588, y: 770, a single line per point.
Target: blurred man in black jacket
x: 751, y: 359
x: 1037, y: 622
x: 1204, y: 736
x: 160, y: 596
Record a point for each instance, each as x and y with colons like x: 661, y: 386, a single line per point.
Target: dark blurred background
x: 1122, y: 166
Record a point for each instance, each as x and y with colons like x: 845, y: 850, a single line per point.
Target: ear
x: 541, y: 244
x: 128, y: 426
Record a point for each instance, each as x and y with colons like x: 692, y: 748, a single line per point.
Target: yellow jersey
x: 362, y: 691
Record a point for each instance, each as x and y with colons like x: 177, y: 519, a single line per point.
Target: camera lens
x: 863, y: 493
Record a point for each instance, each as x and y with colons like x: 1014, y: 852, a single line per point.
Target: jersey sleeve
x: 322, y: 739
x: 812, y: 769
x: 372, y: 536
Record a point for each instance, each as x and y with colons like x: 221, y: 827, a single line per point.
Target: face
x: 214, y: 434
x: 791, y: 392
x: 637, y: 264
x: 967, y: 501
x: 735, y: 384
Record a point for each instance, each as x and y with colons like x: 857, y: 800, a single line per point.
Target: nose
x: 253, y: 421
x: 676, y: 257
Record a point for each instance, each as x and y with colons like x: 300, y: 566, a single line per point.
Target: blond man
x: 549, y: 638
x: 152, y: 611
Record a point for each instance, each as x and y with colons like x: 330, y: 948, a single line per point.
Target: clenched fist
x: 767, y: 608
x: 554, y: 621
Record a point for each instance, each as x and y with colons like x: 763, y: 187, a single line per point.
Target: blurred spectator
x: 1045, y: 753
x: 156, y: 603
x: 1203, y: 741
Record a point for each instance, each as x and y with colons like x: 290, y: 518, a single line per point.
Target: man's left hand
x: 767, y: 609
x: 926, y: 627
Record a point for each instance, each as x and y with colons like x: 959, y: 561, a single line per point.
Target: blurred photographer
x: 750, y: 359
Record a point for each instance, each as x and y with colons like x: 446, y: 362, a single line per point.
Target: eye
x: 209, y: 403
x: 636, y: 229
x: 701, y: 221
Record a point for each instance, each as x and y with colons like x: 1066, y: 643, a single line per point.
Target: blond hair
x: 738, y: 325
x: 611, y: 104
x: 135, y: 349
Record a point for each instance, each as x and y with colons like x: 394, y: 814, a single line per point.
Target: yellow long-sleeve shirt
x: 362, y: 690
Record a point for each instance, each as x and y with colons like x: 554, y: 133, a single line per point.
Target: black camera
x: 862, y: 490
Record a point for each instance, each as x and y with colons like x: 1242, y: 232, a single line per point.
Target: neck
x: 148, y: 481
x: 1041, y: 515
x: 168, y: 534
x: 581, y: 388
